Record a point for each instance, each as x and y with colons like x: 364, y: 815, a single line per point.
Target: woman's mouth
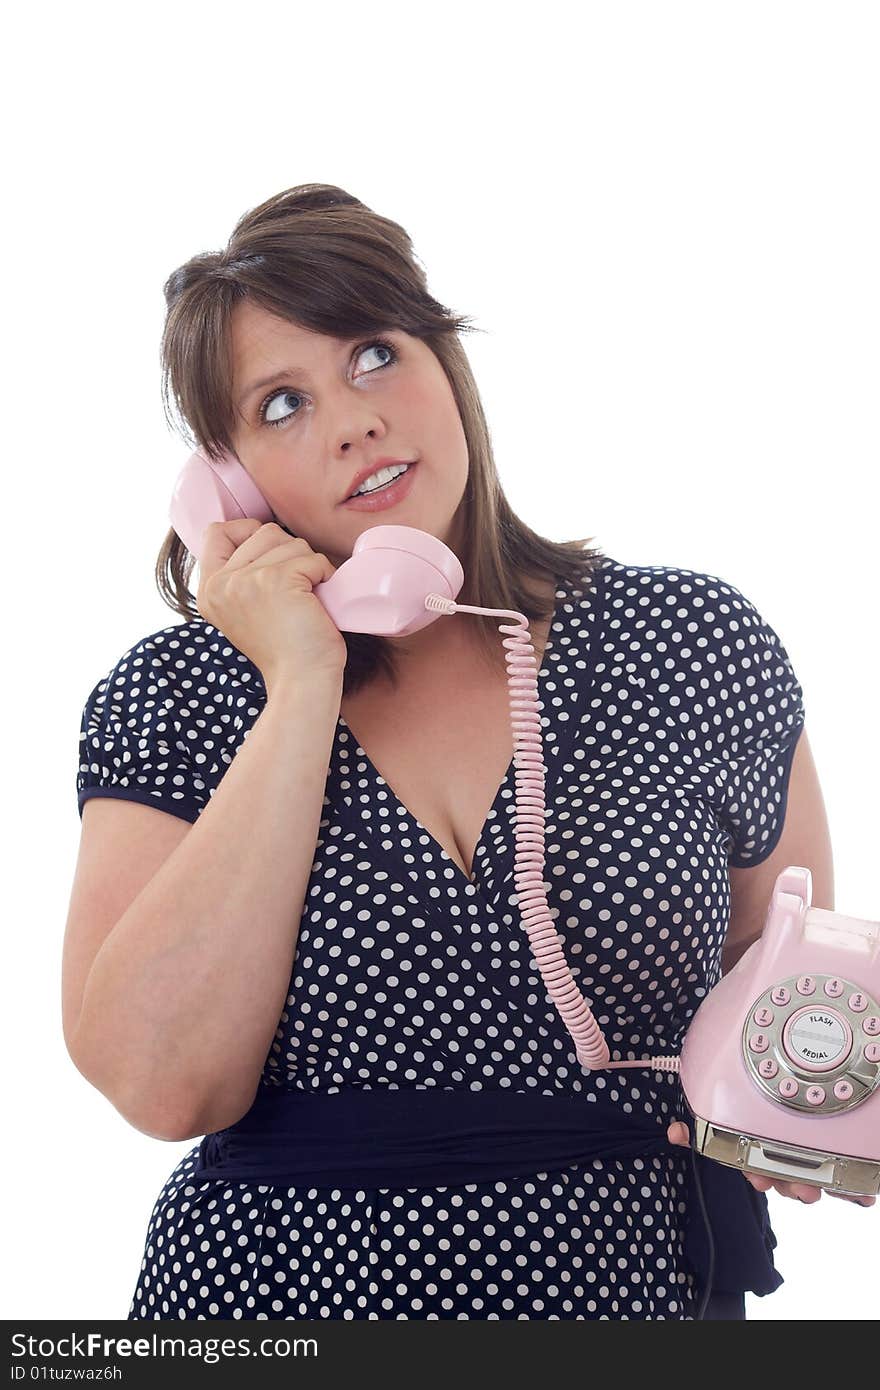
x: 386, y: 496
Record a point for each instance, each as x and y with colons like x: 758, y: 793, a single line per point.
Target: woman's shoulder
x: 683, y: 598
x: 195, y: 646
x: 663, y: 576
x: 185, y: 664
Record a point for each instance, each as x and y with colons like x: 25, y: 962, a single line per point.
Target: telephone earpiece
x: 208, y: 491
x: 381, y: 589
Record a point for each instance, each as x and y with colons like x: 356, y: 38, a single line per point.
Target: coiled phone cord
x: 522, y: 670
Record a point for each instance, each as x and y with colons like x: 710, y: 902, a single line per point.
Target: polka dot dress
x: 670, y: 713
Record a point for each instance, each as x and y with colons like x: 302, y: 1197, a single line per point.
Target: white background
x: 664, y: 217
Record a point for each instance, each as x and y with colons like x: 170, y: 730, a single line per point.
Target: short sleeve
x: 131, y: 744
x: 764, y: 716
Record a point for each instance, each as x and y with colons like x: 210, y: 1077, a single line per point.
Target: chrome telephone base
x: 770, y: 1158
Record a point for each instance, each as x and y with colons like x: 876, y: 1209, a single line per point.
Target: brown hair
x: 319, y: 257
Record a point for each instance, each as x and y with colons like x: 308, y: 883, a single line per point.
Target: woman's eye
x: 288, y: 395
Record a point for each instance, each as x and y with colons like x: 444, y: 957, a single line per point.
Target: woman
x: 328, y: 907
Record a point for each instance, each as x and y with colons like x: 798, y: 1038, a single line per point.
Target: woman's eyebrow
x: 270, y: 381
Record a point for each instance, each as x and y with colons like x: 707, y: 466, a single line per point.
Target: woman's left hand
x: 678, y: 1133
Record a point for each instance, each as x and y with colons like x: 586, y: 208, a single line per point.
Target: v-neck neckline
x: 542, y: 675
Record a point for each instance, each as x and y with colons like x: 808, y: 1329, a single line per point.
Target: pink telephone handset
x: 381, y: 589
x: 780, y: 1067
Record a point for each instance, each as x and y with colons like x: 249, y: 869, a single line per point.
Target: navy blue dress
x: 670, y: 713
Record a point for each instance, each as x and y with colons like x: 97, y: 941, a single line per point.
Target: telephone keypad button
x: 806, y: 984
x: 815, y: 1095
x: 834, y: 988
x: 788, y: 1087
x: 871, y: 1025
x: 768, y: 1068
x: 759, y: 1042
x: 858, y: 1002
x: 843, y: 1089
x: 780, y: 995
x: 872, y: 1052
x: 764, y: 1017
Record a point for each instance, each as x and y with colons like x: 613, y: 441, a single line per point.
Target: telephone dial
x: 780, y: 1067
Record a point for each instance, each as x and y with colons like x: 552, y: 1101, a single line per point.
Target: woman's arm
x: 183, y: 998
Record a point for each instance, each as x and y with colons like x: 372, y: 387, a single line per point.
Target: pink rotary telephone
x: 781, y: 1064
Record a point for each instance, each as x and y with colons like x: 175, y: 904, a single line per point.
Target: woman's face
x: 339, y: 407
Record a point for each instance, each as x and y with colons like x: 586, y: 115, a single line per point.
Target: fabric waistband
x: 364, y: 1138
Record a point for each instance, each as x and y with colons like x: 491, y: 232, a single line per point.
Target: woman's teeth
x: 386, y: 474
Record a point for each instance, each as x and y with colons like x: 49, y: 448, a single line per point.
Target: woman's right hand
x: 255, y: 586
